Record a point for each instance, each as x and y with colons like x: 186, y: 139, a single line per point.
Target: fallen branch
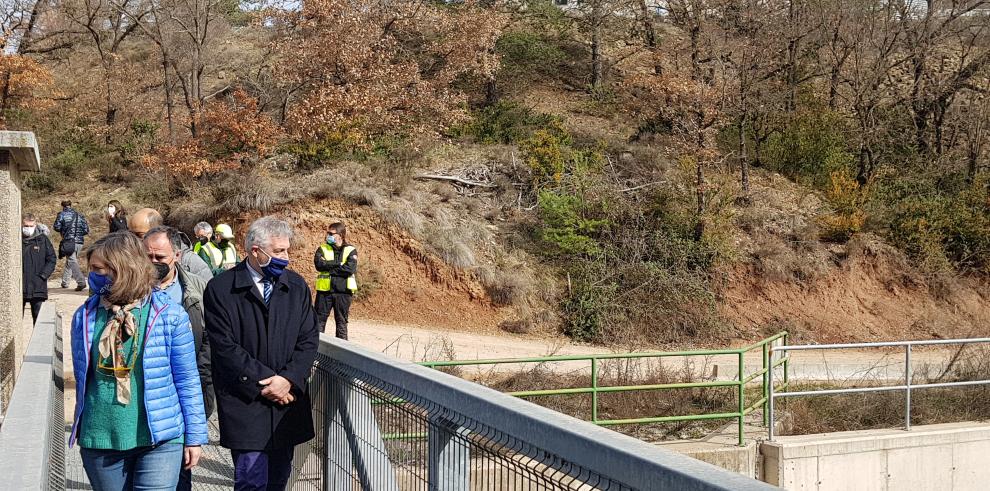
x: 641, y: 186
x: 455, y: 179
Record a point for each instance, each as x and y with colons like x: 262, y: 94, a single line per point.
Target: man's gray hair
x: 204, y: 226
x: 172, y: 234
x: 261, y: 232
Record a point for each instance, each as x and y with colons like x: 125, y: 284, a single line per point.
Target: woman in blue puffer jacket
x: 139, y: 412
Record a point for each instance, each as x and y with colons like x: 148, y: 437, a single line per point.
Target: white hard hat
x: 224, y: 231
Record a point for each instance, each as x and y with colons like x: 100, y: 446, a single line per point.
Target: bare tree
x: 107, y: 26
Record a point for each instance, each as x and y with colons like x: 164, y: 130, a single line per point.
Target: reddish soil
x: 873, y: 294
x: 400, y: 281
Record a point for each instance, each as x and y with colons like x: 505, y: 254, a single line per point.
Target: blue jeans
x: 142, y: 468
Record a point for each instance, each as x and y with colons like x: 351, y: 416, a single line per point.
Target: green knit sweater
x: 107, y: 424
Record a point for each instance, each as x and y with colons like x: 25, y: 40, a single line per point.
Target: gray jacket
x: 192, y: 302
x: 194, y: 264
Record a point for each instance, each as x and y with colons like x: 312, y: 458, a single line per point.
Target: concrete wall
x: 12, y: 337
x: 953, y: 456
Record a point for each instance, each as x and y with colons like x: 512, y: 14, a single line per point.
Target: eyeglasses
x: 101, y: 364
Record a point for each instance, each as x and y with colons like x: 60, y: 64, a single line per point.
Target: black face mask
x: 203, y: 240
x: 162, y: 270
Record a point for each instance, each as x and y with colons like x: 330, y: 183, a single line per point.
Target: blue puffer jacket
x: 173, y: 397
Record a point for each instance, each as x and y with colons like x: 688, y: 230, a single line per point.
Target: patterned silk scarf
x: 120, y: 327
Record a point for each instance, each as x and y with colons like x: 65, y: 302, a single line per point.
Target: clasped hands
x: 277, y: 389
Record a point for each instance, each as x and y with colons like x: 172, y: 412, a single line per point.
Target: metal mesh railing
x: 56, y: 434
x: 387, y: 424
x: 424, y: 442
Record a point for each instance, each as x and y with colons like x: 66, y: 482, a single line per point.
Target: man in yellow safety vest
x: 220, y: 254
x: 336, y: 265
x: 203, y: 231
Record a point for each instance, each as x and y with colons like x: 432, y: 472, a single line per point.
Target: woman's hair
x: 342, y: 231
x: 125, y: 257
x: 121, y: 212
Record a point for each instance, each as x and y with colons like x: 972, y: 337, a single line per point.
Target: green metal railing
x: 741, y: 381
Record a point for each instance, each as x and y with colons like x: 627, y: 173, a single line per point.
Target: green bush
x: 72, y: 160
x: 566, y: 227
x: 943, y: 230
x: 587, y: 310
x: 528, y: 53
x: 506, y: 122
x: 346, y: 143
x: 43, y: 182
x: 809, y: 147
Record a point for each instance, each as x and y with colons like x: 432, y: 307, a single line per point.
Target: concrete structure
x: 934, y: 457
x: 18, y: 154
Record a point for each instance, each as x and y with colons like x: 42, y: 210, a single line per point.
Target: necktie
x: 267, y: 287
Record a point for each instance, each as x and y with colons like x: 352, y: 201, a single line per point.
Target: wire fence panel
x: 56, y: 434
x: 384, y: 424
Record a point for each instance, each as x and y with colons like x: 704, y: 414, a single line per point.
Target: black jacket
x: 38, y: 260
x: 118, y: 224
x: 338, y: 272
x: 251, y: 341
x: 192, y: 302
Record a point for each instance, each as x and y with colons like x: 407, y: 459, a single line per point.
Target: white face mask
x: 28, y: 231
x: 111, y: 210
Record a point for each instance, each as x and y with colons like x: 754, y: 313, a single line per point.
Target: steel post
x: 907, y: 384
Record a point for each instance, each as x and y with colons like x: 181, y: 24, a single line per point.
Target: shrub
x: 940, y: 229
x: 809, y: 147
x: 567, y: 227
x: 587, y: 310
x: 526, y: 53
x: 187, y: 160
x: 545, y: 156
x: 505, y: 122
x: 235, y: 127
x: 847, y: 198
x: 71, y: 160
x: 43, y: 182
x: 550, y: 157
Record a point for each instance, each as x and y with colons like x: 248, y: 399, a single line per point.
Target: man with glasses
x: 263, y: 339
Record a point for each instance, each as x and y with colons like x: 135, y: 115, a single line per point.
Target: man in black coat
x: 263, y: 341
x: 38, y: 260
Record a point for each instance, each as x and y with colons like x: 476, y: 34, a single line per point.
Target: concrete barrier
x: 950, y: 456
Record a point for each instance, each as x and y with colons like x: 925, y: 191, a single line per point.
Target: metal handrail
x: 586, y: 449
x: 907, y: 386
x: 740, y: 382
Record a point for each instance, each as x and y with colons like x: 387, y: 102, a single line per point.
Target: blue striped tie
x: 267, y: 286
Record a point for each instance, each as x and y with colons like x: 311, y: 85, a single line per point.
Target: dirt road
x: 420, y: 344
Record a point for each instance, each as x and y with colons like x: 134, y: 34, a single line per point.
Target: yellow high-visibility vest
x: 323, y: 279
x: 220, y: 257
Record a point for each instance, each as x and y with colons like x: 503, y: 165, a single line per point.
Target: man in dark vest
x: 263, y: 340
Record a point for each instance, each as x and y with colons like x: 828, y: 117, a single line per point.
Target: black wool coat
x: 251, y: 341
x: 38, y: 263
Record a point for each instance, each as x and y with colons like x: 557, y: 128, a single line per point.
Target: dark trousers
x: 35, y: 307
x: 340, y: 304
x: 185, y: 479
x: 262, y: 471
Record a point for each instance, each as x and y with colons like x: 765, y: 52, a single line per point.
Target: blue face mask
x: 275, y: 267
x: 331, y: 239
x: 99, y: 284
